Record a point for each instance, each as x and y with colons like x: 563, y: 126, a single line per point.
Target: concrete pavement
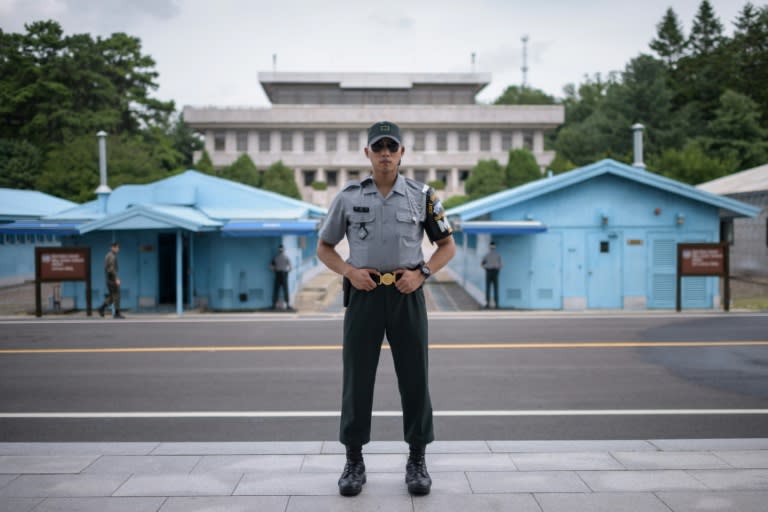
x: 679, y: 475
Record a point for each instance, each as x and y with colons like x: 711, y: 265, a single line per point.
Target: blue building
x: 190, y: 240
x: 602, y: 236
x: 17, y: 249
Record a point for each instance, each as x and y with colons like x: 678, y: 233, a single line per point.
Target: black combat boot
x: 416, y: 476
x: 101, y: 310
x: 353, y: 477
x: 118, y: 314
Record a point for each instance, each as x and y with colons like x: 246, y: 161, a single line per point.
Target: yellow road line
x: 434, y: 346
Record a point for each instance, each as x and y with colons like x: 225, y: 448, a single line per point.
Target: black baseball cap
x: 383, y: 130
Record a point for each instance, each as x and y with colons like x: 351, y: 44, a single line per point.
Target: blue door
x: 546, y: 288
x: 514, y: 278
x: 604, y: 286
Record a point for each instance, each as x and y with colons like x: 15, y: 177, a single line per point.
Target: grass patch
x: 756, y: 303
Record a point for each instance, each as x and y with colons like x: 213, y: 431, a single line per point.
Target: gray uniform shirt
x: 385, y: 233
x: 281, y: 262
x: 492, y: 261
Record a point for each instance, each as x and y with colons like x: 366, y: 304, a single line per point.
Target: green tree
x: 205, y: 165
x: 750, y: 51
x: 690, y: 165
x: 706, y: 32
x: 521, y: 168
x: 20, y: 164
x: 243, y: 170
x: 185, y: 141
x: 487, y: 177
x: 279, y: 178
x: 736, y: 134
x: 669, y: 43
x: 71, y: 170
x: 514, y: 95
x: 455, y: 201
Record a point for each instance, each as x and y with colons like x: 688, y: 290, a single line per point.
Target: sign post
x: 54, y: 264
x: 702, y: 259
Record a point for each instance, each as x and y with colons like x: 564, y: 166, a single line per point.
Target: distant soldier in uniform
x: 384, y: 218
x: 113, y: 281
x: 280, y: 265
x: 492, y: 265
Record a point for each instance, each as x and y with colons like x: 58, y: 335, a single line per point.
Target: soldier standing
x: 492, y: 264
x: 113, y: 282
x: 384, y: 218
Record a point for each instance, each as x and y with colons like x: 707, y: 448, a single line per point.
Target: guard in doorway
x: 492, y: 265
x: 281, y: 265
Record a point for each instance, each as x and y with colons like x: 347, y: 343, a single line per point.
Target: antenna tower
x: 525, y: 61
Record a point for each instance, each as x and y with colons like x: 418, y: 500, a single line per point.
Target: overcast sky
x: 209, y: 52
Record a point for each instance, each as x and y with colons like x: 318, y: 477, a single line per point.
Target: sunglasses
x: 391, y: 145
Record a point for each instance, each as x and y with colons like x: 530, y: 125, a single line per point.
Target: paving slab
x: 565, y: 461
x: 43, y: 486
x: 469, y: 462
x: 360, y: 503
x: 374, y: 463
x: 69, y: 449
x: 670, y: 460
x: 744, y: 479
x: 476, y: 502
x: 641, y: 481
x: 226, y: 504
x: 44, y: 464
x: 719, y: 501
x: 256, y: 448
x: 19, y: 504
x: 249, y: 463
x: 6, y: 479
x: 613, y: 502
x: 710, y: 444
x: 208, y: 484
x: 527, y: 482
x: 745, y: 459
x: 298, y: 484
x: 100, y: 505
x: 569, y: 446
x: 129, y: 464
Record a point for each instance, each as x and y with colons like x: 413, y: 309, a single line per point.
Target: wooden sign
x: 62, y: 264
x: 703, y: 259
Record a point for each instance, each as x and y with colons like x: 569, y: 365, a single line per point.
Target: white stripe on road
x: 332, y: 414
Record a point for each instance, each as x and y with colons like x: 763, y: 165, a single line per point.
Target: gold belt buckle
x: 387, y: 279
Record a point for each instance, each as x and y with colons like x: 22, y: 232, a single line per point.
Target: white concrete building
x: 317, y: 126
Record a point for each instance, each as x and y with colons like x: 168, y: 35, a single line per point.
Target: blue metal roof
x: 154, y: 217
x: 40, y: 227
x: 505, y: 198
x: 256, y: 228
x: 522, y: 227
x: 20, y: 204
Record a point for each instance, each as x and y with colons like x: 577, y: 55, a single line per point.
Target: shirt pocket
x: 408, y: 229
x: 361, y: 227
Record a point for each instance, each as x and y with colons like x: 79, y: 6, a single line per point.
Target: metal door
x: 546, y: 288
x: 604, y: 258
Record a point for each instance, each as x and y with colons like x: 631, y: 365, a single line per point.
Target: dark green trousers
x: 403, y: 319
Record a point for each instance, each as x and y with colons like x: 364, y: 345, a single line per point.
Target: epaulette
x: 351, y: 184
x: 417, y: 185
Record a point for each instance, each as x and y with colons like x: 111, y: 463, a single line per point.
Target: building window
x: 528, y: 140
x: 506, y: 141
x: 242, y: 141
x: 330, y: 140
x: 463, y: 175
x: 420, y: 175
x: 443, y: 176
x: 219, y: 141
x: 309, y: 141
x: 286, y: 140
x: 354, y: 140
x: 332, y: 178
x: 726, y: 231
x: 485, y: 140
x: 463, y: 140
x: 353, y: 175
x: 309, y: 177
x: 442, y: 141
x: 264, y: 141
x: 419, y: 140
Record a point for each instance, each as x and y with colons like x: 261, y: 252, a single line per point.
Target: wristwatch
x: 425, y: 271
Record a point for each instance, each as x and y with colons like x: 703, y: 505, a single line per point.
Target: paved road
x: 275, y: 378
